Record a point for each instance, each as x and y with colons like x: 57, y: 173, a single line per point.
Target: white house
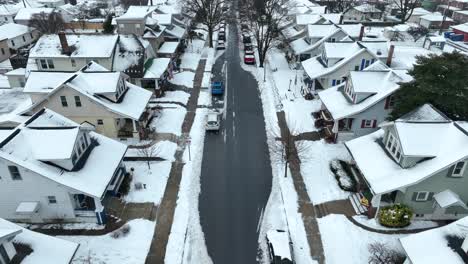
x: 45, y: 249
x: 435, y: 21
x: 364, y: 12
x: 25, y: 15
x: 53, y: 169
x: 18, y: 35
x: 8, y: 13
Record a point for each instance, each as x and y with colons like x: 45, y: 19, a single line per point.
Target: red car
x: 249, y: 59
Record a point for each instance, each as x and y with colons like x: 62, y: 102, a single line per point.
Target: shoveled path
x: 306, y: 208
x: 165, y: 215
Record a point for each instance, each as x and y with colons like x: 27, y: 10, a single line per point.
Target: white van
x: 212, y: 122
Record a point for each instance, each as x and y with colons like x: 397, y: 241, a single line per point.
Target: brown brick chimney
x: 64, y: 43
x: 390, y: 55
x: 361, y: 33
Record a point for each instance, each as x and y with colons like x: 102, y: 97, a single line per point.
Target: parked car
x: 279, y: 247
x: 221, y: 45
x: 217, y: 88
x: 249, y: 59
x: 221, y: 36
x: 246, y: 38
x: 212, y: 122
x: 248, y: 46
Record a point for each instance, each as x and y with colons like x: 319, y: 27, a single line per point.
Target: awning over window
x: 448, y: 198
x: 27, y: 208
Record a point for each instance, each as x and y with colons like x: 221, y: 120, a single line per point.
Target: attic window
x: 393, y: 147
x: 459, y: 169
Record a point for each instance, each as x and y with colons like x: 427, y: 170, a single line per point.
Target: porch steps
x: 321, y: 210
x: 355, y: 200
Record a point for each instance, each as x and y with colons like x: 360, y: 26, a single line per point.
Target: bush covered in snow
x: 397, y: 215
x: 123, y: 231
x: 343, y: 175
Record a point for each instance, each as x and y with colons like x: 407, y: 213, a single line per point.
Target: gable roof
x: 136, y: 12
x: 367, y: 8
x: 425, y: 113
x: 52, y: 144
x: 12, y: 30
x: 28, y: 12
x: 96, y: 173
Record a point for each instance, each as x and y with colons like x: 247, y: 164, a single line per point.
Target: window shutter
x: 413, y: 198
x: 429, y: 197
x: 363, y: 61
x: 333, y: 82
x: 374, y: 123
x: 387, y: 102
x: 363, y: 123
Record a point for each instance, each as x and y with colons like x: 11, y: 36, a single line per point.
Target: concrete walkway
x: 165, y: 215
x: 306, y: 208
x: 388, y: 232
x: 335, y: 207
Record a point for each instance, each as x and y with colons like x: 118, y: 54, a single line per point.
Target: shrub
x: 397, y: 215
x: 123, y: 231
x: 343, y: 175
x: 125, y: 186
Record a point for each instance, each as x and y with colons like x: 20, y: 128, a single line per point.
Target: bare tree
x: 340, y: 6
x: 288, y: 148
x: 406, y: 8
x: 47, y: 23
x: 149, y: 153
x: 265, y: 17
x: 380, y: 253
x: 209, y: 13
x: 418, y: 32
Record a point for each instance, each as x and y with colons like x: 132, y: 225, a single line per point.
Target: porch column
x: 100, y: 214
x: 376, y: 199
x: 135, y: 130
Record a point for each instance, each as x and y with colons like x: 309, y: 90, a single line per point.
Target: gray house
x: 419, y: 160
x: 358, y: 105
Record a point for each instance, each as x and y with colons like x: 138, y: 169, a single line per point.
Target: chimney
x: 390, y: 55
x: 361, y: 33
x: 64, y: 43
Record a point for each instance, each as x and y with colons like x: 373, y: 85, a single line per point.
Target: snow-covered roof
x: 44, y: 82
x: 435, y: 17
x: 97, y: 171
x: 379, y: 84
x: 419, y: 11
x: 16, y: 72
x: 279, y: 240
x: 162, y: 19
x: 332, y: 17
x: 378, y: 48
x: 8, y: 10
x: 85, y: 46
x: 367, y: 8
x: 404, y: 57
x: 168, y: 47
x: 306, y: 19
x: 157, y: 68
x: 291, y: 31
x: 314, y: 68
x: 129, y: 52
x: 46, y: 249
x: 448, y: 198
x: 461, y: 27
x: 46, y: 145
x: 353, y: 30
x: 425, y: 114
x: 29, y: 12
x: 341, y: 49
x: 175, y: 31
x: 12, y: 30
x: 321, y: 30
x: 136, y: 12
x: 448, y: 144
x: 417, y: 246
x: 6, y: 232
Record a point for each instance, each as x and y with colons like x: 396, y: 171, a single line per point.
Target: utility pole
x: 444, y: 17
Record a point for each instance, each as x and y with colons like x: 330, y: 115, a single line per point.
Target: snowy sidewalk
x: 306, y: 208
x: 165, y: 215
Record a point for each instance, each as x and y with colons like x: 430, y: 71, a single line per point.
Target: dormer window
x: 81, y: 146
x: 393, y: 147
x: 459, y: 169
x: 120, y: 89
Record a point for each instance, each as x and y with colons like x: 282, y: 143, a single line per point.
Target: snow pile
x: 204, y: 98
x: 131, y: 248
x: 184, y: 78
x: 351, y: 248
x: 169, y: 120
x: 174, y: 96
x: 148, y: 184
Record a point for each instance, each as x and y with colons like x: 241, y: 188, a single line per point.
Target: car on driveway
x: 279, y: 247
x: 249, y: 59
x: 221, y: 45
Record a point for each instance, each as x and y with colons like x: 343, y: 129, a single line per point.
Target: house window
x: 47, y: 64
x: 51, y: 64
x: 422, y: 196
x: 52, y: 199
x: 74, y: 157
x: 13, y: 43
x: 356, y: 68
x: 137, y: 26
x: 77, y: 101
x: 83, y: 145
x: 459, y: 169
x: 73, y: 62
x: 24, y: 39
x: 3, y: 51
x: 393, y: 147
x: 63, y: 100
x: 368, y: 123
x: 30, y: 34
x: 43, y: 64
x: 100, y: 122
x: 14, y: 172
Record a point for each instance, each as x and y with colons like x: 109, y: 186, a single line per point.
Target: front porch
x: 138, y: 129
x: 331, y: 130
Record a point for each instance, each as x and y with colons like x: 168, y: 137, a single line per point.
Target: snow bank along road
x: 236, y: 171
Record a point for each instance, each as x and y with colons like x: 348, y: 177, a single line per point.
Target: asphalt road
x: 236, y: 172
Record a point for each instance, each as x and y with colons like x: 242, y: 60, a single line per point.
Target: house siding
x: 65, y: 64
x: 19, y: 42
x: 437, y: 183
x: 375, y: 112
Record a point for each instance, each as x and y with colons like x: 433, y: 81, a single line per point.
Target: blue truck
x: 217, y: 88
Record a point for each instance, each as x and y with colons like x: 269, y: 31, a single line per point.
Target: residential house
x: 16, y: 77
x: 364, y: 12
x: 134, y: 20
x: 25, y: 15
x: 93, y: 95
x: 8, y: 13
x: 446, y: 244
x: 297, y: 28
x: 418, y: 12
x: 357, y: 106
x: 461, y: 4
x: 308, y: 46
x: 447, y: 10
x: 419, y: 160
x: 55, y: 170
x: 157, y: 73
x: 17, y: 35
x: 16, y: 243
x: 460, y: 16
x: 461, y: 29
x: 52, y: 3
x: 4, y: 50
x: 435, y: 21
x: 337, y: 59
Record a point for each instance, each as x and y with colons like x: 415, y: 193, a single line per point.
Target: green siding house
x: 420, y: 160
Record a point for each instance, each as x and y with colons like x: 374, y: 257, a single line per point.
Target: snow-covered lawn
x: 174, y: 96
x: 130, y: 249
x: 163, y: 149
x: 373, y: 223
x: 315, y: 169
x: 189, y: 61
x: 153, y: 181
x: 13, y: 101
x: 344, y: 242
x: 204, y: 98
x: 298, y: 114
x: 184, y: 78
x: 170, y: 120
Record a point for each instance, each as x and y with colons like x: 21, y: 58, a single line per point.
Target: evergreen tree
x: 107, y: 27
x: 441, y: 80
